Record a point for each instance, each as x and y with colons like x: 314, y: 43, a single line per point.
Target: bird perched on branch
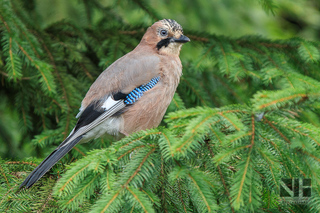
x: 132, y: 94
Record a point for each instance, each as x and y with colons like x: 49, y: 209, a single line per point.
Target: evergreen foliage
x: 245, y: 115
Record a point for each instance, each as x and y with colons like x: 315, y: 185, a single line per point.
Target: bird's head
x: 166, y: 36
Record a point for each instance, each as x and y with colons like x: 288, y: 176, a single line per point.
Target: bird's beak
x: 182, y: 39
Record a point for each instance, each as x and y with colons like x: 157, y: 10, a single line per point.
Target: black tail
x: 47, y: 163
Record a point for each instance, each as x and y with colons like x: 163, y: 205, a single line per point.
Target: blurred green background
x: 232, y: 18
x: 222, y: 17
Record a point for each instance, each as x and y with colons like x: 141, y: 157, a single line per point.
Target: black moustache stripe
x: 164, y: 42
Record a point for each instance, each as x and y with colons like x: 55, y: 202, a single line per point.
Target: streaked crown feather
x: 172, y: 24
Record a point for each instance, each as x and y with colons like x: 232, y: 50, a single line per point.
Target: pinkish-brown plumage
x: 107, y: 107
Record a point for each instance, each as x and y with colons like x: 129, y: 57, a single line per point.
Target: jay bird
x: 132, y: 94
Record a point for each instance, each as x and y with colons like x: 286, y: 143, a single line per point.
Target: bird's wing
x: 107, y: 94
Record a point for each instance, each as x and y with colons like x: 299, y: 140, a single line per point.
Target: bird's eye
x: 163, y: 33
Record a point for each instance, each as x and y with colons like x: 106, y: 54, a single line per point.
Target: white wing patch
x: 106, y: 105
x: 109, y: 103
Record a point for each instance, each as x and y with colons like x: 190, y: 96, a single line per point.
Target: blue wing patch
x: 137, y: 93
